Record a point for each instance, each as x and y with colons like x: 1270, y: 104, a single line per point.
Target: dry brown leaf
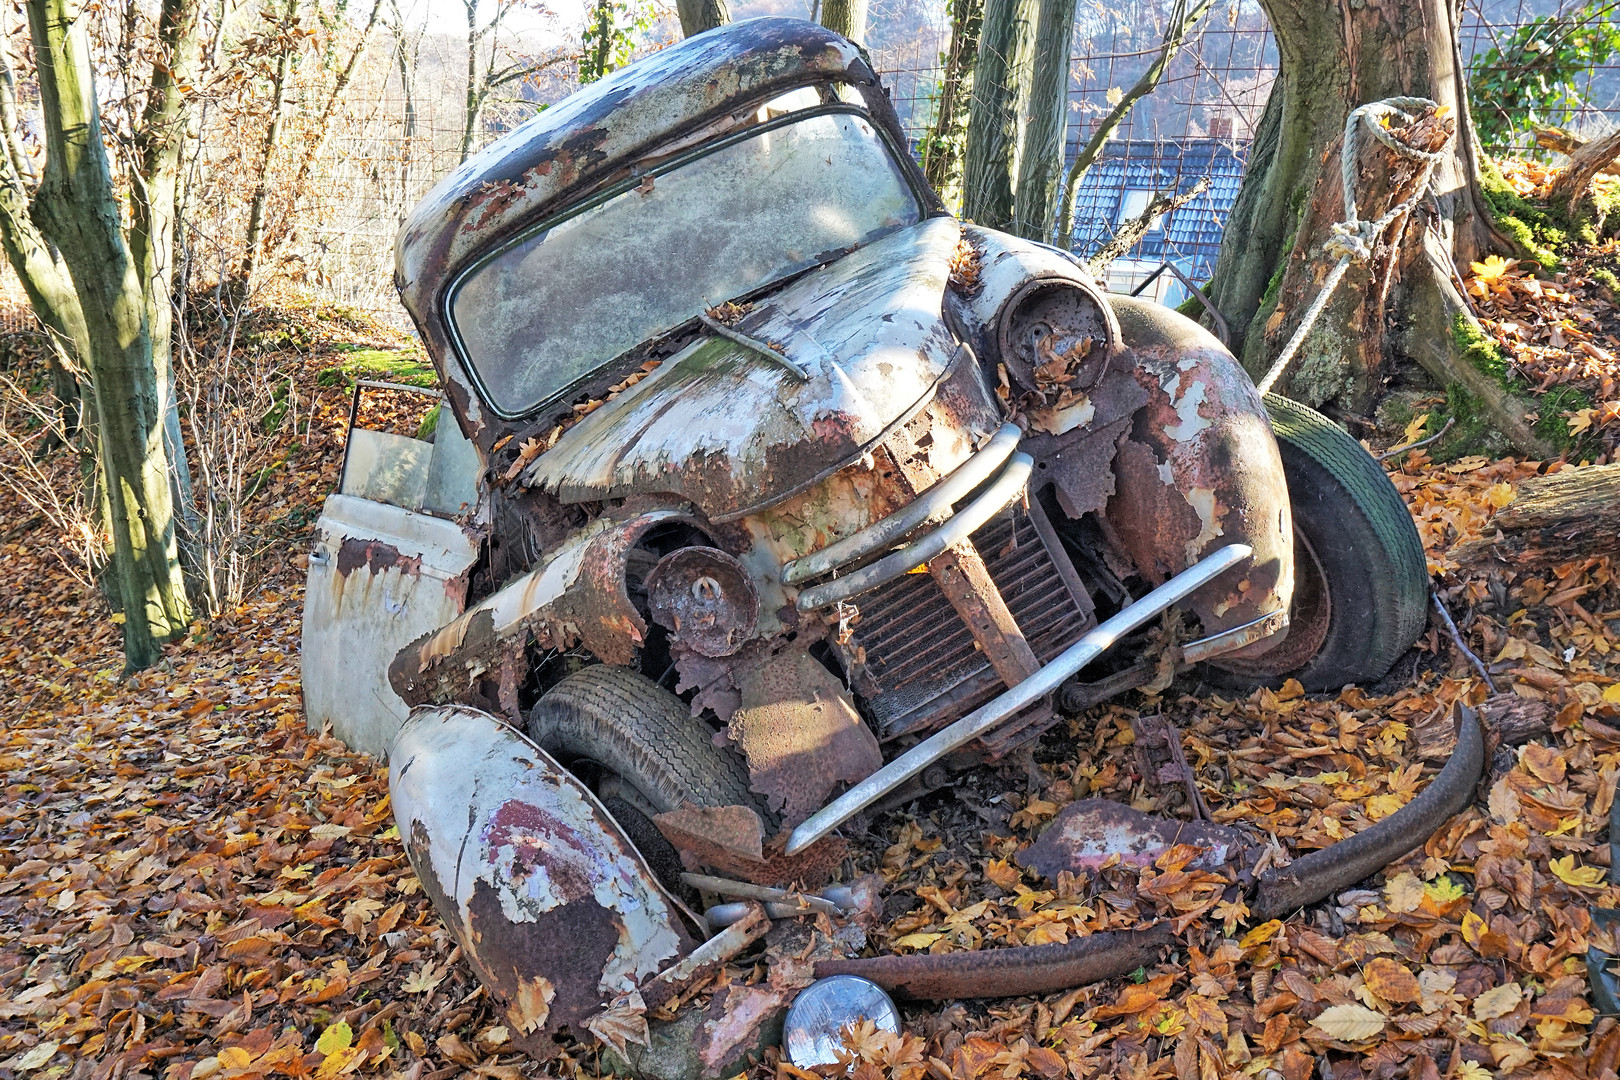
x: 1498, y: 1001
x: 1349, y: 1023
x: 1391, y: 981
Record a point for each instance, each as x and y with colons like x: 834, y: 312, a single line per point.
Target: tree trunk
x: 475, y: 100
x: 941, y: 148
x: 45, y: 279
x: 407, y: 86
x: 1001, y: 85
x: 267, y: 154
x: 160, y: 143
x: 846, y: 17
x: 1334, y: 58
x: 1041, y: 156
x: 78, y: 210
x: 39, y: 268
x: 1571, y: 514
x: 408, y: 126
x: 700, y: 15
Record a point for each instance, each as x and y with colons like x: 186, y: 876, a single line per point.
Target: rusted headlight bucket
x: 1050, y: 318
x: 705, y: 598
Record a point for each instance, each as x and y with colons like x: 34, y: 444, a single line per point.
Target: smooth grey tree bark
x: 1040, y: 164
x: 997, y: 110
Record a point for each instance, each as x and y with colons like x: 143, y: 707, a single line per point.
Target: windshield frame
x: 899, y: 158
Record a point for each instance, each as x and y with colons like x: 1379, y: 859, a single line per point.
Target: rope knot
x: 1350, y: 241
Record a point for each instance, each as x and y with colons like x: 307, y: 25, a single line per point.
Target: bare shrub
x: 234, y: 401
x: 53, y: 477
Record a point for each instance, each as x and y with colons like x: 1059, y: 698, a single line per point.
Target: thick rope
x: 1353, y: 239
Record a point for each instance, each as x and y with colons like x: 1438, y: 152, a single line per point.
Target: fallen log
x: 1552, y: 138
x: 1585, y: 163
x: 1553, y: 519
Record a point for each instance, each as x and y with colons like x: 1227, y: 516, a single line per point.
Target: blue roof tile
x: 1192, y: 235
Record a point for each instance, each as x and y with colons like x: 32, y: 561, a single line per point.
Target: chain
x: 1353, y: 239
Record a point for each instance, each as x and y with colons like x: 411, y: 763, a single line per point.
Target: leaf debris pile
x: 1558, y: 333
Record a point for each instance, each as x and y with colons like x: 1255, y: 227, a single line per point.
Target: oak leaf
x: 917, y: 941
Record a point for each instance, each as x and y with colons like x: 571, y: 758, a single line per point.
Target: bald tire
x: 631, y: 726
x: 1375, y: 570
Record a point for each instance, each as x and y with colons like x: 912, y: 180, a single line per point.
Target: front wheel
x: 1361, y: 583
x: 640, y: 749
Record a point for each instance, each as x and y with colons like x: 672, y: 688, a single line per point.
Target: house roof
x: 1192, y: 234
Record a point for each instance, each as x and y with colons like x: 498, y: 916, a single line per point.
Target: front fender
x: 577, y: 595
x: 554, y: 908
x: 1198, y: 468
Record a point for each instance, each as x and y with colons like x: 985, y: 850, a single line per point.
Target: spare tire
x: 1361, y: 588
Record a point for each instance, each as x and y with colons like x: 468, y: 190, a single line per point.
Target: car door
x: 389, y: 563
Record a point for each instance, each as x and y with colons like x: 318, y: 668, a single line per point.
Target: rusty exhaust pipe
x: 1027, y: 969
x: 1307, y: 880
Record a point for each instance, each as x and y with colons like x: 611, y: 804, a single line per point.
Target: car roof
x: 585, y: 139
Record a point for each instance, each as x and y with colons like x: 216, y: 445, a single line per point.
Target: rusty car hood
x: 734, y: 431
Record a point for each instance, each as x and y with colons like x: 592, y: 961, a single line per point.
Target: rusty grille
x: 923, y: 667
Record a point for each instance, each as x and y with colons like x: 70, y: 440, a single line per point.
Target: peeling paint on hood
x: 729, y: 430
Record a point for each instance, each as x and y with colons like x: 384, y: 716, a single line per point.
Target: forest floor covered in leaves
x: 194, y: 886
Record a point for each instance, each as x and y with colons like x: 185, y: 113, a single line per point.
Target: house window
x: 1131, y: 205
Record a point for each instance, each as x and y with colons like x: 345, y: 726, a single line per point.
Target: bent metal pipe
x: 992, y: 713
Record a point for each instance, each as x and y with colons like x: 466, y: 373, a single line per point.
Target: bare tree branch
x: 1182, y: 21
x: 1127, y: 235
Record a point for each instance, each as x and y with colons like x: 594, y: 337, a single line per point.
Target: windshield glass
x: 550, y: 309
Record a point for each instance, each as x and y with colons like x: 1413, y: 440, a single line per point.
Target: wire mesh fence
x: 1490, y: 24
x: 399, y: 127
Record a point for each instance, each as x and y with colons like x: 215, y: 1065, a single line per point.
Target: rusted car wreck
x: 766, y: 492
